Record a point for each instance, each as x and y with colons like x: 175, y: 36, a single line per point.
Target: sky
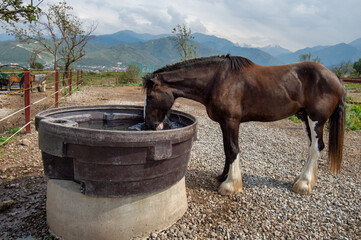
x: 292, y: 24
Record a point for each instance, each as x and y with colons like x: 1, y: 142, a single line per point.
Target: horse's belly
x: 268, y: 111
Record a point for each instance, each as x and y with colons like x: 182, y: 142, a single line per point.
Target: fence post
x: 77, y: 78
x: 81, y: 77
x: 27, y: 100
x: 56, y: 88
x: 70, y: 82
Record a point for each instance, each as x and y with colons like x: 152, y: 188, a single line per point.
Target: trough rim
x: 111, y: 137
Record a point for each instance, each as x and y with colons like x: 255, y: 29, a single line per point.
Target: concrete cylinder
x: 73, y: 215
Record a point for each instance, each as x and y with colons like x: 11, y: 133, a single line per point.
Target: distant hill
x: 329, y: 55
x: 356, y: 43
x: 158, y: 52
x: 214, y: 42
x: 275, y: 50
x: 125, y: 37
x: 162, y: 51
x: 225, y: 46
x: 11, y: 52
x: 16, y: 52
x: 6, y: 37
x: 128, y: 47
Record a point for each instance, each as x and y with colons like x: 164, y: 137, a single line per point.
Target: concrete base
x: 72, y: 215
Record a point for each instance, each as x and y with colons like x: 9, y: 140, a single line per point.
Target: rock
x: 6, y: 204
x: 25, y: 142
x: 27, y: 238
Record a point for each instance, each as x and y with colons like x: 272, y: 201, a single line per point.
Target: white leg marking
x: 233, y: 183
x: 307, y: 179
x: 314, y: 152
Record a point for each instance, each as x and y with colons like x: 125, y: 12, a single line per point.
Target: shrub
x: 130, y: 76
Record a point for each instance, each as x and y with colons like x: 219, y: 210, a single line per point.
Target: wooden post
x: 77, y: 78
x: 70, y: 81
x: 27, y: 100
x: 56, y: 88
x: 82, y: 77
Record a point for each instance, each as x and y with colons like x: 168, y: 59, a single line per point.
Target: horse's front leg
x: 233, y: 183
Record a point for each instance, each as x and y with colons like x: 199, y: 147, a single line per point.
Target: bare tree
x: 46, y: 32
x: 75, y: 40
x: 33, y: 56
x: 342, y: 68
x: 58, y: 32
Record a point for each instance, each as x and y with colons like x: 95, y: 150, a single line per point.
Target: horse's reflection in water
x: 236, y: 90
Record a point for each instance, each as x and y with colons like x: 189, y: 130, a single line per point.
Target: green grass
x: 294, y: 119
x: 3, y: 139
x: 353, y: 117
x: 7, y: 134
x: 356, y: 87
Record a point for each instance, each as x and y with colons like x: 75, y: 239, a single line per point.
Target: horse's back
x: 269, y: 93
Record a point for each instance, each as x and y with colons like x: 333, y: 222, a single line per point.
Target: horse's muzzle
x: 153, y: 125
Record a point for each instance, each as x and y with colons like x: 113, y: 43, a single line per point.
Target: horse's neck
x: 192, y: 89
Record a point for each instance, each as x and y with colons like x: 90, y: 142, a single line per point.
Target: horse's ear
x: 150, y: 81
x: 156, y: 80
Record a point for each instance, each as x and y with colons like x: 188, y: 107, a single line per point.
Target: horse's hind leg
x: 307, y: 179
x: 233, y: 182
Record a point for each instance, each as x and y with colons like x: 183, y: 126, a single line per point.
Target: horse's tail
x: 336, y: 136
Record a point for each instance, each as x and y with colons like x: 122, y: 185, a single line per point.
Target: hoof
x: 230, y: 187
x: 302, y: 186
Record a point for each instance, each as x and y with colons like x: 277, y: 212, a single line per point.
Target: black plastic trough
x: 111, y: 163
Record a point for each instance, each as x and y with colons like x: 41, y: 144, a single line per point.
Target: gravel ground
x: 272, y: 155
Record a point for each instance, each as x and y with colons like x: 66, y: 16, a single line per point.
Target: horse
x: 236, y: 90
x: 17, y: 79
x: 3, y: 82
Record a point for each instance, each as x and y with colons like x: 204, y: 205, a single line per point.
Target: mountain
x: 12, y: 52
x: 162, y: 51
x: 356, y: 43
x: 225, y: 46
x: 158, y: 52
x: 128, y: 47
x: 125, y: 37
x: 275, y: 50
x: 329, y: 55
x: 6, y: 37
x: 212, y: 41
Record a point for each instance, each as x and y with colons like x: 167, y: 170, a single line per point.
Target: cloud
x: 292, y: 24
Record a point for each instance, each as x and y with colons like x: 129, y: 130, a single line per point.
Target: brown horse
x: 20, y: 80
x: 236, y: 90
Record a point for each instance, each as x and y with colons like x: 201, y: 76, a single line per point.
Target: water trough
x: 107, y: 182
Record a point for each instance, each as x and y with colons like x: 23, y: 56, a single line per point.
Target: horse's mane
x: 235, y: 63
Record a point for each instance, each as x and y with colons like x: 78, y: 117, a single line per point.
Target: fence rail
x: 27, y: 103
x: 352, y: 80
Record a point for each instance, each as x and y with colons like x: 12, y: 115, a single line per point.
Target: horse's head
x: 158, y: 101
